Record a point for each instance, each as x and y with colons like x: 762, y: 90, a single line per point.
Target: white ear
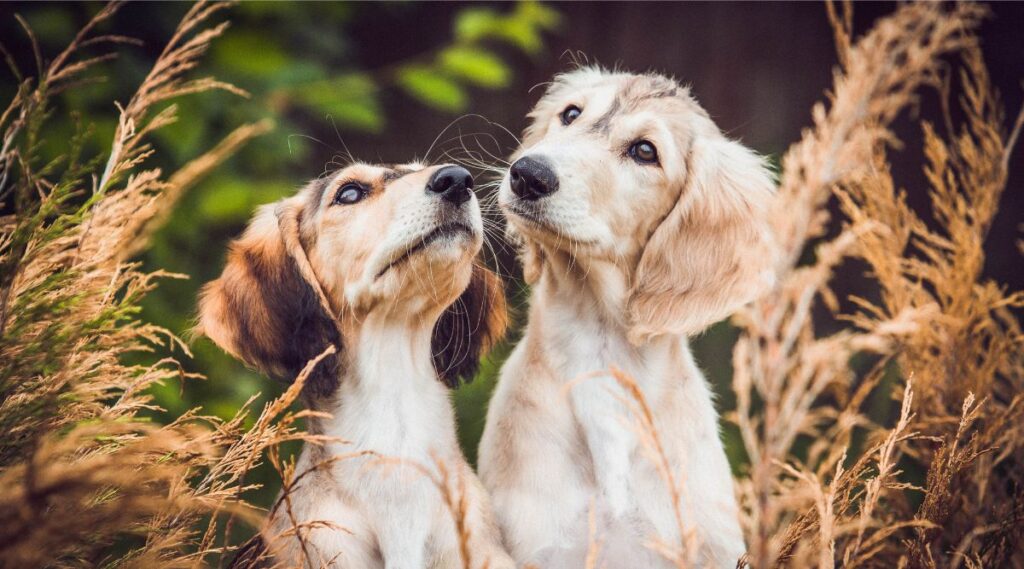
x: 714, y: 251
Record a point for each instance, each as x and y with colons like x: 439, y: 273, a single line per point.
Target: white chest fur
x: 577, y: 336
x: 391, y: 423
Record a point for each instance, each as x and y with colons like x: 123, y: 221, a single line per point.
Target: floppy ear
x: 469, y: 328
x: 266, y: 308
x: 714, y: 251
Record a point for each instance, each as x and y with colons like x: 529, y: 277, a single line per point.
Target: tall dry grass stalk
x: 814, y: 494
x: 941, y: 484
x: 85, y: 479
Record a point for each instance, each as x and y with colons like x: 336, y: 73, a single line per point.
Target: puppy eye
x: 644, y: 152
x: 571, y: 113
x: 349, y: 194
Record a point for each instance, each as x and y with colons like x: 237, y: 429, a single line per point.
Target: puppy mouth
x: 529, y: 215
x: 537, y: 222
x: 442, y: 232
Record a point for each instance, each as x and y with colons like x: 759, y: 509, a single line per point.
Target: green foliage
x: 478, y: 66
x: 351, y: 100
x: 433, y: 89
x: 520, y: 28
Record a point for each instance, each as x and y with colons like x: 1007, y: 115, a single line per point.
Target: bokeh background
x: 391, y: 81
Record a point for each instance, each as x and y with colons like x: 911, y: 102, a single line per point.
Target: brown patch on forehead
x: 603, y: 124
x: 396, y: 173
x: 635, y: 91
x: 649, y: 88
x: 316, y: 196
x: 365, y: 174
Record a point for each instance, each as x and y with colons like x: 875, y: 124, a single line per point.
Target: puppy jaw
x: 690, y: 232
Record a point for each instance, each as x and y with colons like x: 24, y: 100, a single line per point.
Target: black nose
x: 454, y: 183
x: 532, y: 179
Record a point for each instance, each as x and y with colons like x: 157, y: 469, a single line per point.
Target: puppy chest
x: 400, y: 426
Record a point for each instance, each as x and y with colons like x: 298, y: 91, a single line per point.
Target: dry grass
x: 813, y: 496
x: 84, y: 481
x: 941, y: 485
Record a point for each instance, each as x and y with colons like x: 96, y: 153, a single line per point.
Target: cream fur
x: 628, y: 260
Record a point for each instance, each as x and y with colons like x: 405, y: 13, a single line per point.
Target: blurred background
x: 391, y: 81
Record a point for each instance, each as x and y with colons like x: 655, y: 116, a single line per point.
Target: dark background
x: 328, y: 74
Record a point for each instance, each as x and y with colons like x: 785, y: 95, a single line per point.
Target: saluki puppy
x: 378, y: 262
x: 640, y: 224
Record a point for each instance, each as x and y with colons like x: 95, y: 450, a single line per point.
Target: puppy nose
x: 532, y: 179
x: 453, y: 183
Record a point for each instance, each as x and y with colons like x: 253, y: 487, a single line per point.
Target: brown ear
x: 714, y: 251
x: 264, y: 308
x: 469, y: 328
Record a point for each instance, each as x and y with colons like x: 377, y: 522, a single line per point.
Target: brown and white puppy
x: 641, y: 224
x: 380, y: 263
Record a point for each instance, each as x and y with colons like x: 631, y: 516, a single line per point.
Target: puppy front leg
x: 402, y: 554
x: 476, y: 525
x: 402, y: 541
x: 485, y: 537
x: 610, y: 439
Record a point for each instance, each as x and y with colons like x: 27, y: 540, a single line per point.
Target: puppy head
x: 630, y: 169
x: 401, y: 240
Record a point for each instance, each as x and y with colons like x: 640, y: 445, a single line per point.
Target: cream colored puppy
x: 641, y: 224
x: 380, y: 263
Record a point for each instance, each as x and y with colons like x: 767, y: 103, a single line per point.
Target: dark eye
x: 571, y: 113
x: 349, y: 194
x: 644, y: 152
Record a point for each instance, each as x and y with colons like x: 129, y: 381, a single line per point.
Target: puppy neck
x: 595, y: 289
x: 579, y: 310
x: 390, y: 400
x: 390, y: 349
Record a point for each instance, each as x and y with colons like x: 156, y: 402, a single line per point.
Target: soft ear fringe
x: 714, y: 252
x: 469, y: 328
x: 265, y: 311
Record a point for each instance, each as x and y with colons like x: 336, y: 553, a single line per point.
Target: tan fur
x: 713, y: 252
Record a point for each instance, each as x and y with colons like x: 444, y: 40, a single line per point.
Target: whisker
x: 348, y: 153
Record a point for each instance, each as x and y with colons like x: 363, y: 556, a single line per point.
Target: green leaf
x: 432, y: 88
x: 538, y: 14
x: 522, y: 34
x: 474, y: 24
x: 520, y: 28
x: 250, y: 53
x: 232, y: 201
x: 350, y: 100
x: 476, y: 66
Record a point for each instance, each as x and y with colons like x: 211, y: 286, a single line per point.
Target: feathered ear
x: 469, y: 328
x: 266, y: 308
x: 714, y: 251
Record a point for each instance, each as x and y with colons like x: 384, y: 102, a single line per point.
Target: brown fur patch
x: 469, y: 328
x: 263, y: 310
